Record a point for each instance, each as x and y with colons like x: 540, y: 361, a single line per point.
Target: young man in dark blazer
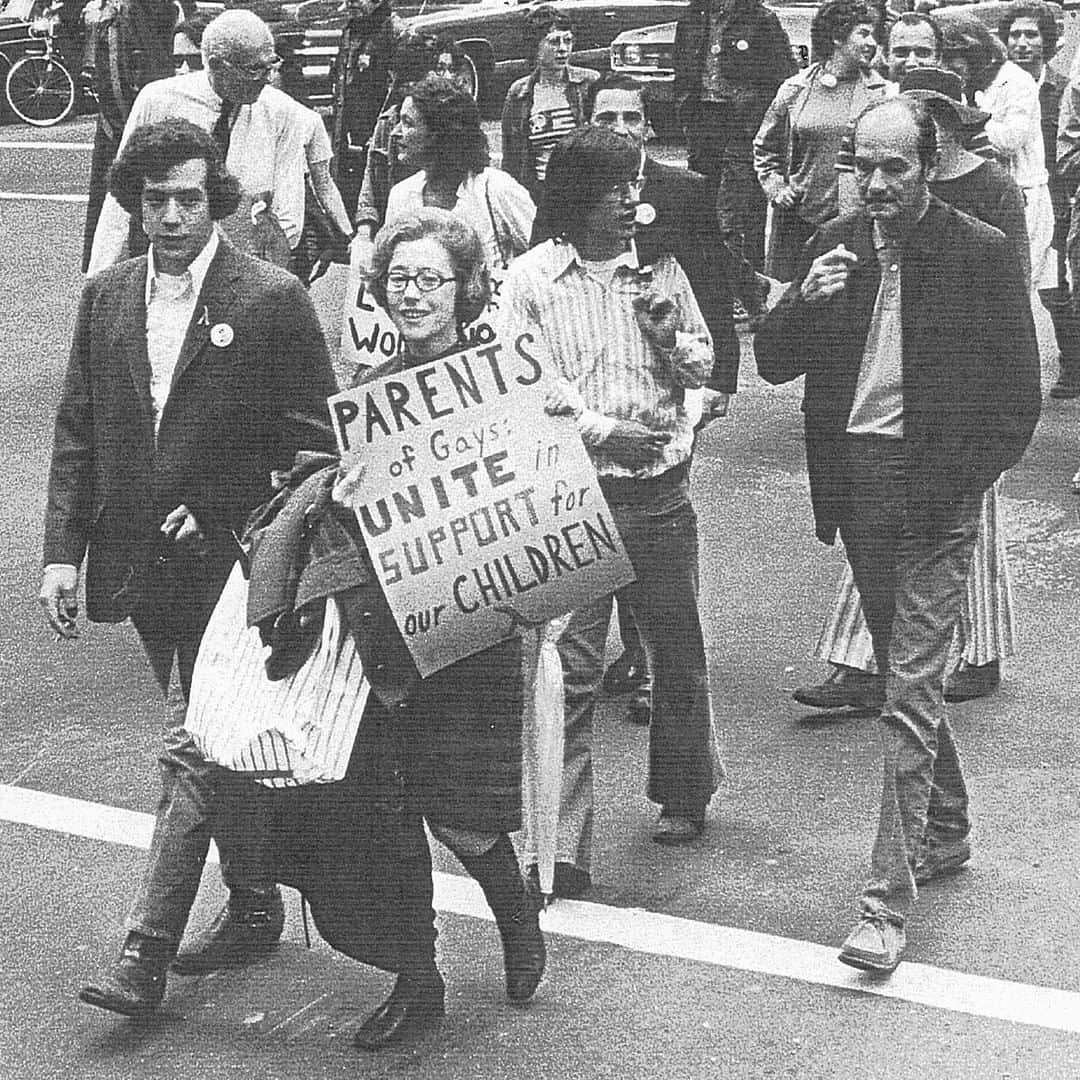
x: 194, y: 372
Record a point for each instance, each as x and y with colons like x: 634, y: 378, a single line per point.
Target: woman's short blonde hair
x: 459, y: 240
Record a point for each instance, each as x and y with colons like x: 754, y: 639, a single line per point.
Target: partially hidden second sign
x: 481, y: 513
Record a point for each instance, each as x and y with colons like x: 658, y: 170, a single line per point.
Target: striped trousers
x: 985, y: 629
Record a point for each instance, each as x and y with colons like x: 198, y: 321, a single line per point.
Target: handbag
x: 284, y: 732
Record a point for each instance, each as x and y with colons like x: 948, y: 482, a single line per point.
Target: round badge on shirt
x: 221, y: 335
x: 742, y: 44
x: 828, y: 80
x: 645, y: 214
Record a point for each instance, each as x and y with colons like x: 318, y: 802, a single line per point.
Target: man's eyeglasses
x: 192, y: 61
x: 255, y: 71
x: 627, y: 189
x: 397, y: 281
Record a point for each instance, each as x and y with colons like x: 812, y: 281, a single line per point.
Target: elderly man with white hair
x: 261, y: 130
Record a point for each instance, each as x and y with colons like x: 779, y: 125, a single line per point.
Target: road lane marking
x: 17, y: 196
x: 31, y: 145
x: 639, y: 931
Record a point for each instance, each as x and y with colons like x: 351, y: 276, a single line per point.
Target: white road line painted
x: 34, y: 196
x: 31, y: 145
x: 641, y: 931
x: 299, y: 1012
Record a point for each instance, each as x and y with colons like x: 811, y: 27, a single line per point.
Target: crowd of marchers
x: 911, y: 188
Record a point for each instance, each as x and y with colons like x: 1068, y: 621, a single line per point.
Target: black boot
x: 136, y: 985
x: 516, y: 906
x: 416, y: 1004
x: 247, y: 928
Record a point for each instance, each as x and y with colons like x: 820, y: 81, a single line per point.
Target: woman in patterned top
x: 543, y: 107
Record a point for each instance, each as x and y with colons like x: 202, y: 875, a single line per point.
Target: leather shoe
x: 628, y: 672
x: 941, y: 861
x: 524, y: 952
x: 968, y: 682
x: 247, y: 928
x: 136, y: 986
x: 845, y: 688
x: 672, y: 830
x: 570, y: 883
x: 414, y: 1006
x: 875, y: 944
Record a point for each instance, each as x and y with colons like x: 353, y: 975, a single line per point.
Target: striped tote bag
x: 298, y: 730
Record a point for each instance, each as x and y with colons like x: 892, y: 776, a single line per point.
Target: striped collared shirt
x: 584, y: 328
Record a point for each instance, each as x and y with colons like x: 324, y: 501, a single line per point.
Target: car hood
x: 662, y: 33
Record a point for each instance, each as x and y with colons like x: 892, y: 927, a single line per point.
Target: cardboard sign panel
x: 480, y: 511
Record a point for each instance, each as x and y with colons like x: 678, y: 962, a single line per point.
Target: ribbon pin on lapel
x: 221, y: 335
x: 204, y: 318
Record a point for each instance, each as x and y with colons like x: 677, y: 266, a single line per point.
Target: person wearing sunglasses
x: 260, y: 130
x: 187, y: 44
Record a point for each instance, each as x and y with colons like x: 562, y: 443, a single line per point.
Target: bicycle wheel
x: 40, y: 90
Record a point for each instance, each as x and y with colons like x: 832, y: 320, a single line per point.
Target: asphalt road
x: 746, y: 986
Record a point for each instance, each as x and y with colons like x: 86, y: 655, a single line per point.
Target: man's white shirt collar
x: 566, y: 255
x: 196, y: 270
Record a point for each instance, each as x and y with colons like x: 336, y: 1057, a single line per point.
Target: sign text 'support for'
x: 480, y: 511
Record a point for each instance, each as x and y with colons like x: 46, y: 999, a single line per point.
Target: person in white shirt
x: 1011, y: 97
x: 439, y: 131
x: 261, y: 131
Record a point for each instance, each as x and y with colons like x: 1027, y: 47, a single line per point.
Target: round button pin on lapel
x: 645, y: 214
x: 828, y: 80
x: 742, y: 44
x: 221, y: 335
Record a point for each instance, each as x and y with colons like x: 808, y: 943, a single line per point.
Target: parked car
x: 493, y: 34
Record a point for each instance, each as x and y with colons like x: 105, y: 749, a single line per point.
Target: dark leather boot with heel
x: 247, y: 928
x: 415, y: 1005
x: 516, y: 904
x: 136, y: 985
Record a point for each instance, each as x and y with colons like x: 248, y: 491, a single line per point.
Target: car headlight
x: 631, y: 55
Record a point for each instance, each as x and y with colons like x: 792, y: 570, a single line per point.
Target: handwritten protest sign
x: 480, y: 511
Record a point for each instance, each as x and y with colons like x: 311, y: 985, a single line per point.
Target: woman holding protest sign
x: 439, y: 132
x: 445, y: 747
x: 456, y: 734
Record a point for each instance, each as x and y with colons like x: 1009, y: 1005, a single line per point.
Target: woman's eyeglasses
x: 397, y: 281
